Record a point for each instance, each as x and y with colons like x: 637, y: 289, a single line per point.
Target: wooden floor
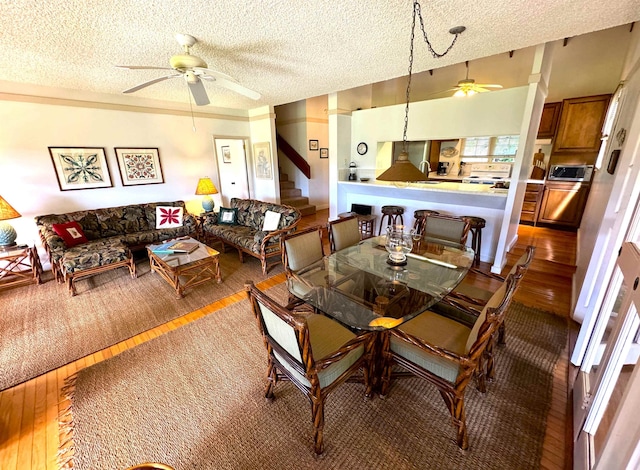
x: 29, y: 433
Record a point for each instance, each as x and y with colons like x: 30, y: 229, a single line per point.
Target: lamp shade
x: 6, y: 211
x: 205, y: 187
x: 402, y: 170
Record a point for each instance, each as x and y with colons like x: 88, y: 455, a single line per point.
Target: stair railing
x: 291, y: 153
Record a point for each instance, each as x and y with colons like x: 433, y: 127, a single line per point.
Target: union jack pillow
x: 168, y: 217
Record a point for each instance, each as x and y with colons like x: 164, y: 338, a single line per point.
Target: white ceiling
x: 286, y: 50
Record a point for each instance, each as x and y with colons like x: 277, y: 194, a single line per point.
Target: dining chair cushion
x: 326, y: 337
x: 315, y: 278
x: 345, y: 233
x: 438, y: 331
x: 303, y: 250
x: 493, y: 302
x: 281, y: 332
x: 446, y: 228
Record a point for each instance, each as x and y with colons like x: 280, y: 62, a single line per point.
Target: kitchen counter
x: 432, y: 186
x: 448, y: 198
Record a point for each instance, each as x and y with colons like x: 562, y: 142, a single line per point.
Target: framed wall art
x: 80, y: 167
x: 324, y: 153
x: 226, y: 154
x: 313, y: 145
x: 262, y: 160
x: 139, y: 166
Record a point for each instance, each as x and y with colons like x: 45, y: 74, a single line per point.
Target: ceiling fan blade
x: 142, y: 67
x: 228, y: 82
x: 198, y: 92
x: 151, y: 82
x: 484, y: 85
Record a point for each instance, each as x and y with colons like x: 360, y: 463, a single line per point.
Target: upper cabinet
x: 581, y: 123
x: 549, y: 120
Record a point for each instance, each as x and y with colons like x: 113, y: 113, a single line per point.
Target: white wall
x: 262, y: 125
x: 28, y: 179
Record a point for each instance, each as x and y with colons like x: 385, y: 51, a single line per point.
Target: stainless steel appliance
x: 443, y: 168
x: 488, y: 173
x: 580, y: 173
x: 353, y: 176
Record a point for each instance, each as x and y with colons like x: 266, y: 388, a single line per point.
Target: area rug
x: 43, y: 327
x: 193, y: 399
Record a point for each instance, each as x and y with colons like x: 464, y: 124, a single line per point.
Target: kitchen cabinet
x: 531, y: 204
x: 581, y: 123
x: 563, y: 203
x: 549, y: 120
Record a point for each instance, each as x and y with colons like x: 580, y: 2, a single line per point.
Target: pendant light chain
x: 455, y: 31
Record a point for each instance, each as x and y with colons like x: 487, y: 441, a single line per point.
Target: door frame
x: 245, y: 145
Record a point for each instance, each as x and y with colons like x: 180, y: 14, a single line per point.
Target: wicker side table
x: 19, y: 266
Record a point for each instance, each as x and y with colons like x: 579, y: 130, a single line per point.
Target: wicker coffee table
x: 185, y: 270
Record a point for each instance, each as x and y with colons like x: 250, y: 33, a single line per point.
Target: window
x: 476, y: 147
x: 490, y: 149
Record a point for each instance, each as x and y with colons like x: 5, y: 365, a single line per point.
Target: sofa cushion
x: 168, y: 217
x: 71, y: 233
x: 111, y: 221
x: 94, y: 254
x: 245, y: 209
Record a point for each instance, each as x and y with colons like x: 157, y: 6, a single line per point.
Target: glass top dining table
x: 359, y: 288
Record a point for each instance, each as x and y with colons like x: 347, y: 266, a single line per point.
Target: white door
x: 232, y: 168
x: 597, y: 415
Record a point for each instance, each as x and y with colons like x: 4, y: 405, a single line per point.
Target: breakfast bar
x: 456, y: 199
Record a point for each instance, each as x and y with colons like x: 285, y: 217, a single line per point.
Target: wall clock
x: 362, y: 148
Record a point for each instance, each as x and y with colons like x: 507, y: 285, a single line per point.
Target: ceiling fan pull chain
x: 193, y: 121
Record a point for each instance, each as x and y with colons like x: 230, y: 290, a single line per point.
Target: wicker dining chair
x: 466, y: 301
x: 312, y: 351
x: 343, y: 232
x: 446, y: 353
x: 300, y: 250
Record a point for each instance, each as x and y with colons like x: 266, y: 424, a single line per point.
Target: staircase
x: 292, y: 196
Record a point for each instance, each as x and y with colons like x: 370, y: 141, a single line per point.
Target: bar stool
x: 476, y: 226
x: 392, y: 214
x: 420, y: 217
x: 365, y: 222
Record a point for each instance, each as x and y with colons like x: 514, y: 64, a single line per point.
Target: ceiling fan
x: 468, y: 86
x: 194, y: 70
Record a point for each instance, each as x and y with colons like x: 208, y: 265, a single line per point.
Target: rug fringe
x: 66, y: 448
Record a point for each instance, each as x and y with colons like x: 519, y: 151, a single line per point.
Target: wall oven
x: 579, y: 173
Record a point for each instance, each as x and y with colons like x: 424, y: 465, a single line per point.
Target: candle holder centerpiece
x: 398, y: 242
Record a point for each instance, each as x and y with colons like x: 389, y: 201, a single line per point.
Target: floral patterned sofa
x: 108, y: 236
x: 243, y: 230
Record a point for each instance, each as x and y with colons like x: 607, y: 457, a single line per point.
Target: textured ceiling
x: 286, y: 50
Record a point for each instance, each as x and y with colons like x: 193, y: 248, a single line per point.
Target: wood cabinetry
x: 580, y: 124
x: 549, y: 120
x: 531, y: 204
x: 563, y: 203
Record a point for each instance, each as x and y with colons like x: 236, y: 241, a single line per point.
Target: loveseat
x: 88, y: 242
x: 242, y: 226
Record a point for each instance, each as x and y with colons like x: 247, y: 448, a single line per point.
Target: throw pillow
x: 271, y: 221
x: 71, y: 233
x: 168, y: 217
x: 228, y: 216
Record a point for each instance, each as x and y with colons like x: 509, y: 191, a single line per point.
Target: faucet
x: 422, y: 167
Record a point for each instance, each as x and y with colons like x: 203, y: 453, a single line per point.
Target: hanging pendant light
x: 402, y: 169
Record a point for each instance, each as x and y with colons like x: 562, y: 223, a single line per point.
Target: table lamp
x: 7, y: 232
x: 205, y: 188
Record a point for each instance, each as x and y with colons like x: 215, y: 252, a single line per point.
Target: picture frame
x: 262, y: 160
x: 80, y: 168
x: 226, y: 154
x: 313, y: 145
x: 139, y: 165
x: 324, y: 152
